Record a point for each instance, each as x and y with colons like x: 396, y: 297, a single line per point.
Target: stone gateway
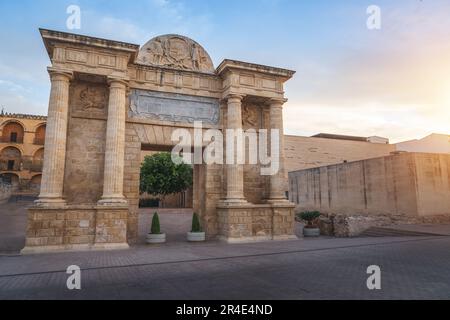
x: 109, y: 100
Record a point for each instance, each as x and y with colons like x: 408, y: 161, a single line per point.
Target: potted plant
x: 311, y: 229
x: 155, y: 235
x: 196, y: 234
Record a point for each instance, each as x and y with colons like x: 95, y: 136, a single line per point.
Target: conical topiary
x: 156, y: 229
x: 196, y: 227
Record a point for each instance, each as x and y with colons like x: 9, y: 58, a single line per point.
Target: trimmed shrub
x: 196, y: 227
x: 156, y: 229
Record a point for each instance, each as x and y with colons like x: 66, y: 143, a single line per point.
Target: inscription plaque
x: 173, y: 107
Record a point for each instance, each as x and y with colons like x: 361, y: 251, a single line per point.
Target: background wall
x: 309, y: 152
x: 410, y: 184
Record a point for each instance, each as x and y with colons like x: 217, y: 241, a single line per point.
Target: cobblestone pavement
x: 412, y: 268
x: 325, y: 268
x: 13, y: 223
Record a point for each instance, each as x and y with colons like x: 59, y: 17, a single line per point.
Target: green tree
x: 160, y: 176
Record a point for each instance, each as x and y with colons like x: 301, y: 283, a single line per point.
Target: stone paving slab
x: 437, y: 229
x: 316, y: 269
x: 320, y: 268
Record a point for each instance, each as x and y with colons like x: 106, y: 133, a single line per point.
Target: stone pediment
x: 175, y: 51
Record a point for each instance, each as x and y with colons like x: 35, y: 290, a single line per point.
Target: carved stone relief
x: 90, y: 97
x: 251, y: 116
x: 177, y: 52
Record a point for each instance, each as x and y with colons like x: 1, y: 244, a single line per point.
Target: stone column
x: 278, y: 181
x: 115, y: 145
x: 55, y: 139
x: 235, y: 172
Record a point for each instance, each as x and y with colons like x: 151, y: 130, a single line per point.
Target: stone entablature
x: 176, y: 81
x: 252, y: 79
x: 111, y: 99
x: 117, y: 59
x: 88, y: 54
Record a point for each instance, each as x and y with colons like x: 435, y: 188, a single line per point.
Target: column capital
x: 234, y: 97
x: 59, y: 74
x: 117, y: 82
x: 277, y: 102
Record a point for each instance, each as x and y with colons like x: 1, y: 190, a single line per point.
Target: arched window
x: 39, y: 136
x: 13, y: 132
x: 35, y: 183
x: 10, y: 159
x: 12, y: 179
x: 38, y: 160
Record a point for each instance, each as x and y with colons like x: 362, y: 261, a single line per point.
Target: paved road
x: 412, y: 268
x: 13, y: 223
x: 325, y: 268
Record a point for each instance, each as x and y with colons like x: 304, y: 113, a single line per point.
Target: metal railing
x: 6, y: 166
x: 9, y: 140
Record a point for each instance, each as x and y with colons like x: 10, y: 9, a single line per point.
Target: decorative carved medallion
x: 177, y: 52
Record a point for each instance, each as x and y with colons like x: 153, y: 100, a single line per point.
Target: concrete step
x: 392, y: 232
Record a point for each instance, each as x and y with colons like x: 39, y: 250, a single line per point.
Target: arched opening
x: 12, y: 132
x: 38, y: 160
x: 12, y: 179
x: 175, y: 211
x: 35, y: 183
x: 10, y: 159
x: 39, y: 136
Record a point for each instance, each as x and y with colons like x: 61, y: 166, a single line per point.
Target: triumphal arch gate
x: 109, y: 100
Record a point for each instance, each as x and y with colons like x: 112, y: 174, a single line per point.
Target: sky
x: 392, y: 82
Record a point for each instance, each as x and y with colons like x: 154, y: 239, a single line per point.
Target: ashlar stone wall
x: 408, y: 184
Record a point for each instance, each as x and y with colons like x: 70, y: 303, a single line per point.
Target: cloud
x: 397, y: 122
x: 163, y: 17
x: 108, y: 26
x: 393, y: 82
x: 11, y: 86
x: 17, y: 99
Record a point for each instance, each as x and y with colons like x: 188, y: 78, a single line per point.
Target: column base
x: 49, y: 202
x: 112, y: 202
x: 233, y: 202
x: 278, y: 200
